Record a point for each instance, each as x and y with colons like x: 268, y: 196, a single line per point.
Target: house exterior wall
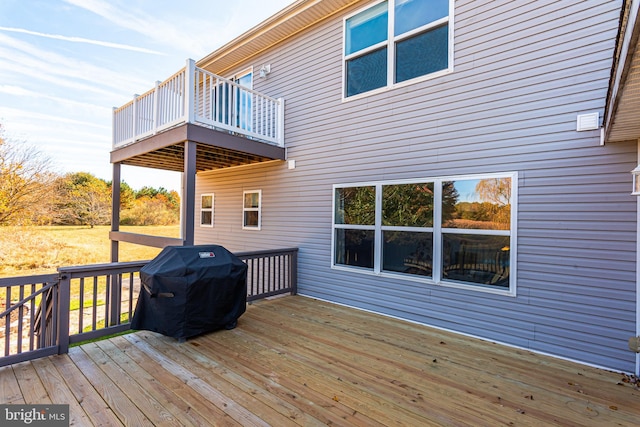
x: 522, y: 72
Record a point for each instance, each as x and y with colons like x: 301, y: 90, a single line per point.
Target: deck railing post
x: 116, y: 295
x: 280, y: 123
x: 156, y: 110
x: 294, y: 272
x: 113, y: 128
x: 134, y: 108
x: 189, y: 90
x: 63, y: 310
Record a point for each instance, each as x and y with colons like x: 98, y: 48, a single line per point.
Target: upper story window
x: 396, y: 41
x: 455, y: 231
x: 206, y: 210
x: 252, y: 209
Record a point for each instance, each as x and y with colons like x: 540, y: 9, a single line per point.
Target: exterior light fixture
x: 636, y: 181
x: 264, y: 71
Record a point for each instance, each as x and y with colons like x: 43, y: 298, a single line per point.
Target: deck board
x: 58, y: 390
x: 267, y: 406
x: 154, y: 410
x: 195, y: 407
x: 220, y: 394
x: 92, y: 403
x: 126, y: 411
x: 299, y: 361
x: 282, y: 385
x: 9, y: 387
x: 171, y: 402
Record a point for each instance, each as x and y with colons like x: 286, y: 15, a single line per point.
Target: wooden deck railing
x: 42, y: 315
x: 194, y: 95
x: 270, y: 273
x: 22, y: 300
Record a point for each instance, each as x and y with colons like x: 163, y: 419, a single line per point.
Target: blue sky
x: 64, y: 64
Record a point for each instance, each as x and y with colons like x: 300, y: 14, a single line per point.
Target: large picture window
x: 454, y: 231
x: 395, y: 41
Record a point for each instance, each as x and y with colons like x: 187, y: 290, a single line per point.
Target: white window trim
x: 244, y: 72
x: 211, y: 209
x: 438, y: 231
x: 390, y: 44
x: 258, y: 209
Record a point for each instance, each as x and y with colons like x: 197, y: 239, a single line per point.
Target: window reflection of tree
x: 407, y: 205
x: 449, y: 202
x: 477, y: 258
x: 488, y: 208
x: 496, y: 196
x: 356, y: 205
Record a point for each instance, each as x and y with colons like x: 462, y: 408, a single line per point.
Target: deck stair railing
x: 194, y: 95
x: 20, y: 321
x: 42, y: 315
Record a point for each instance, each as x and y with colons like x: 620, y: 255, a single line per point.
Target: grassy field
x: 41, y: 250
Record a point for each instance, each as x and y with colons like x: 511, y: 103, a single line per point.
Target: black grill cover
x: 190, y: 290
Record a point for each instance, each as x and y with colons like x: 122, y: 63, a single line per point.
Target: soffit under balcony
x: 215, y: 150
x: 290, y: 21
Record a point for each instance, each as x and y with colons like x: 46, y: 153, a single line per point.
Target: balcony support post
x: 115, y: 209
x: 188, y: 191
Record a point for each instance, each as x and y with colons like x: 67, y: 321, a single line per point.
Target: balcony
x: 231, y: 124
x: 194, y: 121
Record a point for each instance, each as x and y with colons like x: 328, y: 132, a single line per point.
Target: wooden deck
x: 298, y: 361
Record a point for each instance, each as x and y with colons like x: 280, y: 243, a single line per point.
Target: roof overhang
x: 215, y: 150
x: 622, y: 113
x: 288, y: 22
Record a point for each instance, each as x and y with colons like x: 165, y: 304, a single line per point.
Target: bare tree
x: 25, y: 182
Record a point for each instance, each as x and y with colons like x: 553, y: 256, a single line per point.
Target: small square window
x: 251, y: 210
x: 206, y: 210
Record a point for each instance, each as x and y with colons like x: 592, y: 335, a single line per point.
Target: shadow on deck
x: 298, y: 361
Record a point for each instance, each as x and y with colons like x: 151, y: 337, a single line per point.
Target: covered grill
x: 190, y: 290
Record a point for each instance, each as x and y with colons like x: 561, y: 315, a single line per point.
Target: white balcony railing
x: 194, y: 95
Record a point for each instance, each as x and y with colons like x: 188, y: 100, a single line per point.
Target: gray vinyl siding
x: 522, y: 72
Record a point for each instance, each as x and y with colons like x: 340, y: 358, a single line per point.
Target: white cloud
x: 63, y: 70
x: 175, y: 33
x: 22, y: 92
x: 82, y: 40
x: 16, y: 115
x: 194, y: 28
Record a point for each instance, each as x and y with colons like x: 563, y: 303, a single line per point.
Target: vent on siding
x: 588, y: 121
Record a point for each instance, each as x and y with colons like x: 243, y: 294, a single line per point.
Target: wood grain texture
x: 300, y: 361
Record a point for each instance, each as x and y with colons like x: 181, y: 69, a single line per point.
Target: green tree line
x: 31, y: 194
